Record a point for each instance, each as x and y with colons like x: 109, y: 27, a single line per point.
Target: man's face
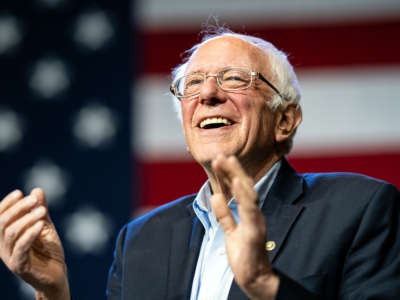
x: 250, y: 135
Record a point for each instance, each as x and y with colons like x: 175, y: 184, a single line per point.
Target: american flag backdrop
x: 346, y: 55
x: 85, y: 111
x: 65, y: 82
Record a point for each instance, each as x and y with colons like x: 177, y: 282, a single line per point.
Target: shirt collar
x: 202, y: 205
x: 263, y: 186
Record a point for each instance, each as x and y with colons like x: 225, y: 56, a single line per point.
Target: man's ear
x: 288, y: 119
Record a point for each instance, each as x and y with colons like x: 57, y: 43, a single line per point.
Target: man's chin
x: 206, y: 159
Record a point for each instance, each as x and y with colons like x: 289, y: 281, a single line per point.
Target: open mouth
x: 215, y: 122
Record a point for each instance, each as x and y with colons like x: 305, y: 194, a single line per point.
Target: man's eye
x: 193, y: 82
x: 234, y: 78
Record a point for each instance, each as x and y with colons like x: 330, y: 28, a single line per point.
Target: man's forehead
x: 227, y: 51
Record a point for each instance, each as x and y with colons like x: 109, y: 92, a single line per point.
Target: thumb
x: 48, y: 241
x: 41, y: 198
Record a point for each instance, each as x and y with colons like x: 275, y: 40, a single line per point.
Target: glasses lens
x: 235, y: 79
x: 190, y: 84
x: 229, y: 79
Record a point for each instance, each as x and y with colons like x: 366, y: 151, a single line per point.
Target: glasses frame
x: 173, y: 86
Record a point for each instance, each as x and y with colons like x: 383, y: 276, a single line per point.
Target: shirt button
x: 221, y: 251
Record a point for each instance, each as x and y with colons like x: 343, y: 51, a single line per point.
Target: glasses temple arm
x: 270, y: 85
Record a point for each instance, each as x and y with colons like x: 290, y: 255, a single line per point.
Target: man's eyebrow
x: 195, y: 71
x: 218, y: 70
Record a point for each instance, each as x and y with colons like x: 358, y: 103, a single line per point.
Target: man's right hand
x: 30, y: 246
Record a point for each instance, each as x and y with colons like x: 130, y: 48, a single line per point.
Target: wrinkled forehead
x: 227, y: 51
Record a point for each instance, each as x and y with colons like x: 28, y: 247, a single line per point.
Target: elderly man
x: 256, y: 229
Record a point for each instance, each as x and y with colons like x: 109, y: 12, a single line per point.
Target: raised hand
x: 30, y: 246
x: 244, y: 242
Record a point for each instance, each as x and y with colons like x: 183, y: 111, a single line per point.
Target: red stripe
x: 312, y: 45
x: 383, y: 166
x: 162, y: 182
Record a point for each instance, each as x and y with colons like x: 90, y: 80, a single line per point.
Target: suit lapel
x: 281, y: 212
x: 279, y: 225
x: 280, y: 209
x: 186, y: 238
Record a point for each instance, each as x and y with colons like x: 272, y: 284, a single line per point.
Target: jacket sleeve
x: 290, y: 289
x: 372, y: 264
x: 114, y: 284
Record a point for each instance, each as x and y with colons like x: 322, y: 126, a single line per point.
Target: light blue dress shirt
x: 213, y: 276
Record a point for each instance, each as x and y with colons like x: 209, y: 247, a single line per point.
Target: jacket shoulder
x: 342, y: 178
x: 162, y: 216
x: 341, y: 185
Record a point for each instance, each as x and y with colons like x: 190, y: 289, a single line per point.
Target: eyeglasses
x: 229, y: 79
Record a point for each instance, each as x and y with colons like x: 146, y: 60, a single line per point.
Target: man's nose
x: 210, y: 92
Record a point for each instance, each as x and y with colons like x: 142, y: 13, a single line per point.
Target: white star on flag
x: 11, y: 129
x: 10, y: 34
x: 93, y: 30
x: 49, y: 77
x: 50, y: 177
x: 95, y: 125
x: 88, y: 230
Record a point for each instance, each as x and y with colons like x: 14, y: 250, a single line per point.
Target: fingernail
x: 16, y: 193
x: 39, y: 210
x: 36, y: 189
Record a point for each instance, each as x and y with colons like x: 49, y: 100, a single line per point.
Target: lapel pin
x: 270, y: 245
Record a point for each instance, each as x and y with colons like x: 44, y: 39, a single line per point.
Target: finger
x: 223, y: 213
x: 39, y: 193
x: 16, y: 211
x: 16, y: 229
x: 10, y: 199
x: 221, y: 176
x: 247, y: 199
x: 244, y: 193
x: 229, y: 167
x: 49, y: 232
x: 223, y: 181
x: 20, y: 254
x: 234, y: 168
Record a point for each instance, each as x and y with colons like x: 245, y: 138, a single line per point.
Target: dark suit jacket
x: 337, y: 237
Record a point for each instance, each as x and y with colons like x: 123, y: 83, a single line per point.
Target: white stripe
x: 156, y: 129
x: 350, y: 111
x: 161, y: 14
x: 344, y: 110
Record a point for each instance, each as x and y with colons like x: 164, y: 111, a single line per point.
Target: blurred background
x: 85, y: 112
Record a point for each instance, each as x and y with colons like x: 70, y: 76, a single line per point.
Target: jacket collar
x: 280, y: 211
x: 186, y: 237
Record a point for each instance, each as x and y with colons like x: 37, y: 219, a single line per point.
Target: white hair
x: 284, y: 77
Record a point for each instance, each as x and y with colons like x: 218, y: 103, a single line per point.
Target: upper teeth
x: 220, y: 120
